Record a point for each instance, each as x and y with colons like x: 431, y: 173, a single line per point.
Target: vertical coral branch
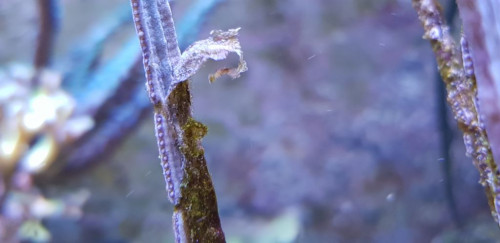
x: 48, y: 26
x: 188, y: 183
x: 462, y: 96
x: 481, y: 24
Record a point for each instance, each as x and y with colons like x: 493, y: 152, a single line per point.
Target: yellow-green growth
x: 194, y: 131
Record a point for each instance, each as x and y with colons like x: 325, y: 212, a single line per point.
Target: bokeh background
x: 333, y: 135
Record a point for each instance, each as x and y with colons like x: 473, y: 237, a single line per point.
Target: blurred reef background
x: 333, y: 135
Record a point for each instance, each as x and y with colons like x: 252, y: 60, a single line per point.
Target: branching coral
x: 188, y: 181
x: 458, y: 75
x: 481, y: 24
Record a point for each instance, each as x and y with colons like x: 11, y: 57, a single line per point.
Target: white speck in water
x: 130, y: 193
x: 311, y: 57
x: 148, y: 173
x: 390, y: 197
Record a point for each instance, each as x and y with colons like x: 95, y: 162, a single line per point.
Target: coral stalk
x: 461, y: 96
x: 49, y: 23
x: 188, y: 183
x: 481, y: 25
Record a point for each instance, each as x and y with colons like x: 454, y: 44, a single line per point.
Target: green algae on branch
x: 198, y: 205
x: 194, y: 131
x: 458, y: 76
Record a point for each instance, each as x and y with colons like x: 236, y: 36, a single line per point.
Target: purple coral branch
x: 49, y: 23
x: 188, y: 183
x: 482, y: 28
x: 462, y: 96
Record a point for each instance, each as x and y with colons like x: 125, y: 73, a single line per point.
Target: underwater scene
x: 249, y: 121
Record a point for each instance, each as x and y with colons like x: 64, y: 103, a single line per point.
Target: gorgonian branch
x: 49, y: 23
x: 462, y: 95
x: 188, y: 183
x: 482, y: 29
